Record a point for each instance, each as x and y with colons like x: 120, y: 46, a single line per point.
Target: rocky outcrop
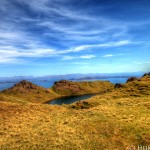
x: 23, y: 86
x: 81, y: 105
x: 118, y: 85
x: 132, y: 79
x: 146, y: 74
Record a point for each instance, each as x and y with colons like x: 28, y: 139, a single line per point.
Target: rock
x: 25, y: 85
x: 118, y: 85
x: 22, y: 87
x: 62, y: 81
x: 81, y: 105
x: 132, y: 79
x: 146, y: 74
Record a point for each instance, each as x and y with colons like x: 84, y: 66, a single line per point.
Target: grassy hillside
x: 114, y: 120
x: 136, y: 88
x: 69, y: 88
x: 25, y: 91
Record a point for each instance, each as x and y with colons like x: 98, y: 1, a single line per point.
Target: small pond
x: 69, y: 100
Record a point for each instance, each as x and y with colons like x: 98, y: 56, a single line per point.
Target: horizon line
x: 70, y: 74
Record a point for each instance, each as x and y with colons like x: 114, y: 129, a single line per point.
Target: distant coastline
x: 48, y: 81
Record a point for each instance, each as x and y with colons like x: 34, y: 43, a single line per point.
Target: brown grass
x: 114, y: 120
x: 69, y: 88
x: 26, y: 91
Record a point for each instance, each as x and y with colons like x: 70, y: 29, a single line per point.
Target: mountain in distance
x: 76, y: 76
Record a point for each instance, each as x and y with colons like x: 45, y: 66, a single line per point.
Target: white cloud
x: 68, y: 57
x: 35, y: 50
x: 87, y: 56
x: 57, y: 7
x: 110, y: 44
x: 78, y: 57
x: 108, y: 55
x: 28, y: 53
x: 82, y: 47
x: 5, y: 60
x: 17, y: 42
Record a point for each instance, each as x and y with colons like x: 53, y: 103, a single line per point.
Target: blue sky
x: 45, y: 37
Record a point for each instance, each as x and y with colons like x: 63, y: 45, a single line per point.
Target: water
x: 45, y: 84
x: 4, y: 86
x: 72, y: 99
x: 112, y: 79
x: 69, y: 100
x: 48, y: 83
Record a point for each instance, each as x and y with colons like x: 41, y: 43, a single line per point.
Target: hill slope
x: 136, y: 88
x: 116, y: 120
x: 69, y: 88
x: 28, y: 92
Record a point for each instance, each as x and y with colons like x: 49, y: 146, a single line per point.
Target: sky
x: 54, y: 37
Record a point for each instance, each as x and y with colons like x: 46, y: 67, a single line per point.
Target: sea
x: 49, y: 82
